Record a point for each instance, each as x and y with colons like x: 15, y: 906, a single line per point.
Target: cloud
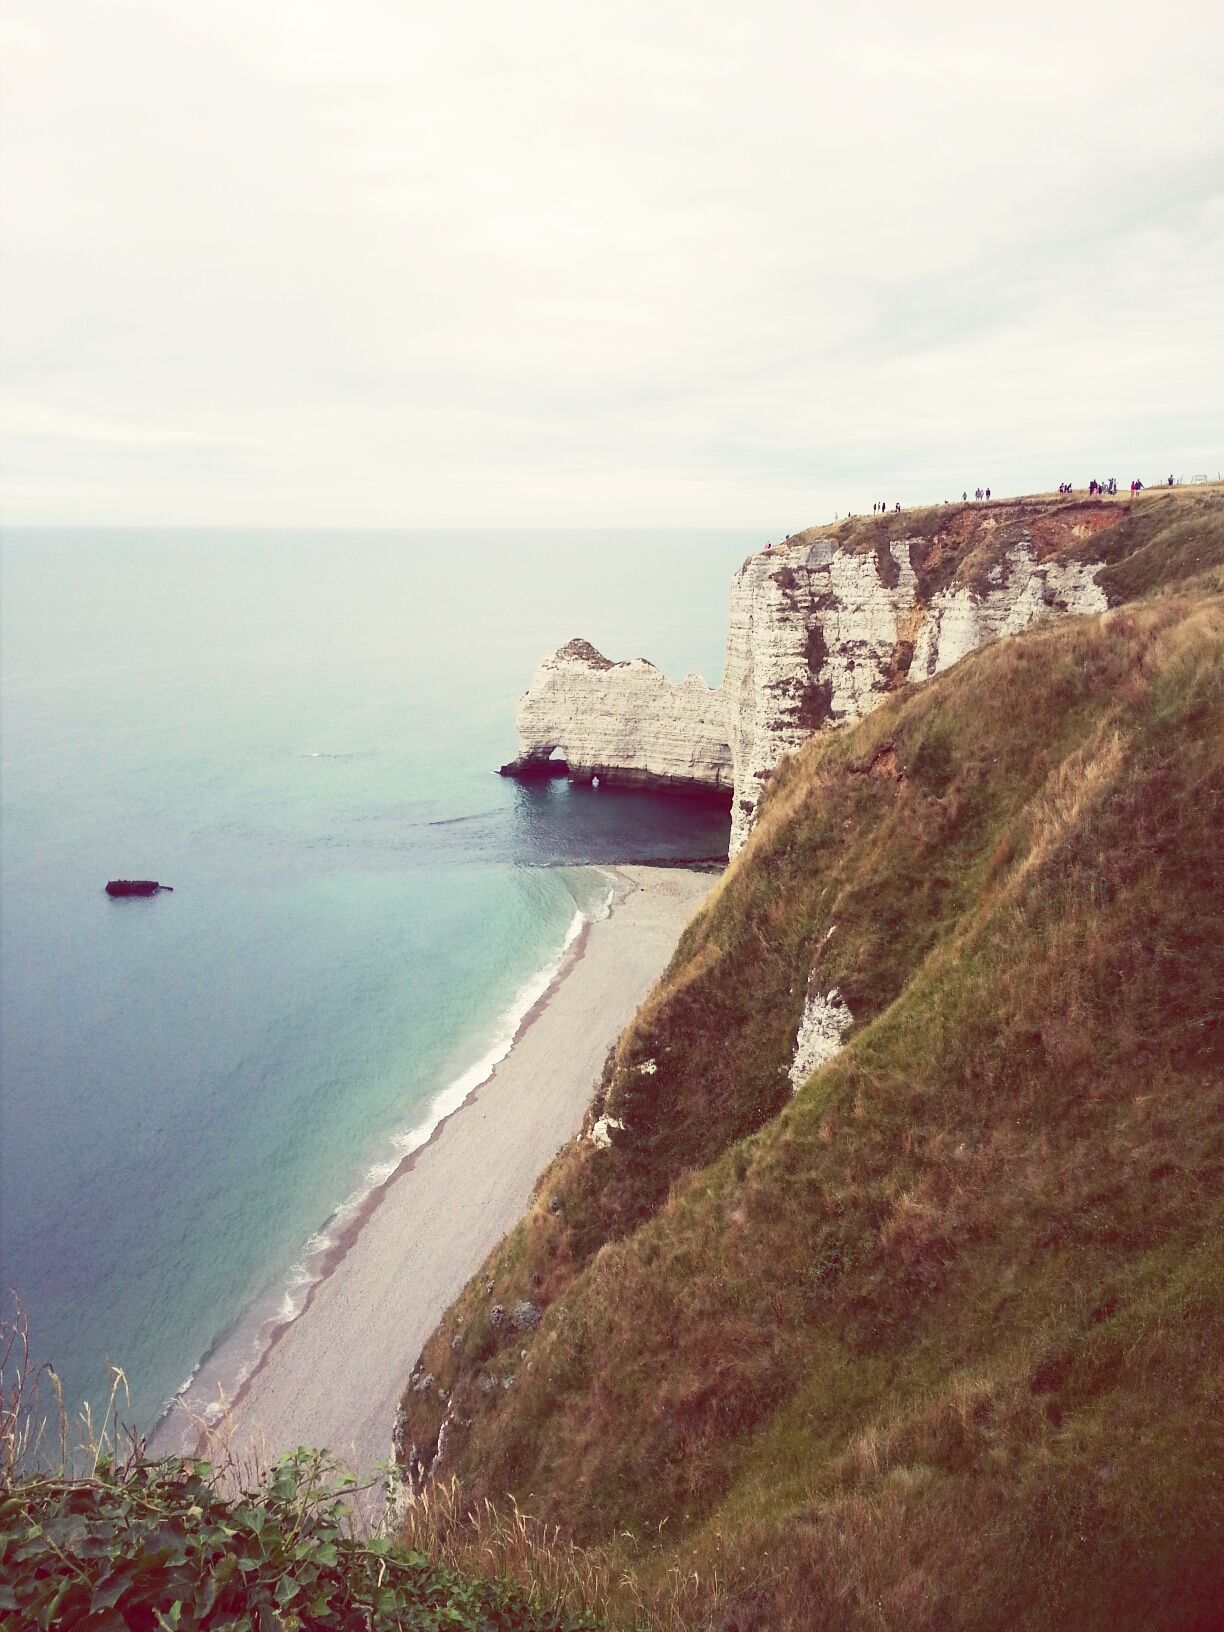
x: 660, y: 263
x: 43, y: 422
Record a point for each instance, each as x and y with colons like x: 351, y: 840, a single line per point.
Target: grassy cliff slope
x: 934, y: 1342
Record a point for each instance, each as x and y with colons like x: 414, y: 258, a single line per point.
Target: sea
x: 298, y: 731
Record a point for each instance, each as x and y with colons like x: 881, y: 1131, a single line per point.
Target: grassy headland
x: 936, y: 1341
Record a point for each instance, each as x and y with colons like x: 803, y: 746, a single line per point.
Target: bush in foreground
x: 157, y: 1545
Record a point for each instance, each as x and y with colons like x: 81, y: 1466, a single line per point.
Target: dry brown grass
x: 502, y: 1541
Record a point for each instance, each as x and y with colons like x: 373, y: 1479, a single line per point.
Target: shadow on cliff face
x: 560, y: 823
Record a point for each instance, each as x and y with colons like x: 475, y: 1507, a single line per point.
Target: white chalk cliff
x: 623, y: 722
x: 820, y: 634
x: 821, y: 629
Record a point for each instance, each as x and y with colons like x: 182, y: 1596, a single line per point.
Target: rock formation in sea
x: 624, y: 723
x: 821, y: 628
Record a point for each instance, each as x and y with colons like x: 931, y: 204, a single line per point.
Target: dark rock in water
x: 531, y: 767
x: 136, y: 886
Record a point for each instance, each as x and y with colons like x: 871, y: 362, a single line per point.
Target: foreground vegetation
x: 113, y: 1541
x: 155, y: 1545
x: 936, y: 1341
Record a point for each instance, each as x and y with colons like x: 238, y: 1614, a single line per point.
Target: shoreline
x: 185, y: 1421
x: 331, y: 1257
x: 309, y: 1385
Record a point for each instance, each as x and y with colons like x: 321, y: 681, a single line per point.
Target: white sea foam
x: 191, y: 1377
x: 605, y: 906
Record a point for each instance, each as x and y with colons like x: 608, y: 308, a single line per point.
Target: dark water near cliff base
x: 297, y: 732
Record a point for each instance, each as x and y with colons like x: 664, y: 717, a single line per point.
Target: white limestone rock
x: 623, y: 722
x: 822, y: 1030
x: 602, y: 1131
x: 957, y: 620
x: 812, y: 636
x: 819, y: 635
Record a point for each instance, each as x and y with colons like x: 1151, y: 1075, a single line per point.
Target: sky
x: 561, y: 264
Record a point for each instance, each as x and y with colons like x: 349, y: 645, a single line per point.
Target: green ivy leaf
x: 111, y: 1587
x: 287, y: 1589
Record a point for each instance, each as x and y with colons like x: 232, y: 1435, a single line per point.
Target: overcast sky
x: 486, y: 263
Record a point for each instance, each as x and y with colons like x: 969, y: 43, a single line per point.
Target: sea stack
x: 624, y: 723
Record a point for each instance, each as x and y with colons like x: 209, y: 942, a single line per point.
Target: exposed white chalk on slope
x: 822, y: 1031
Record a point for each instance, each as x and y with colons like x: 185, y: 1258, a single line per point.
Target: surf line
x: 321, y: 1261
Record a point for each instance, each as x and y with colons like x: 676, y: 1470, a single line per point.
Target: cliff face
x: 623, y: 722
x: 825, y: 626
x: 811, y: 642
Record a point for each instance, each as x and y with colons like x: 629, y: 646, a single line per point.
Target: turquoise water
x: 297, y: 732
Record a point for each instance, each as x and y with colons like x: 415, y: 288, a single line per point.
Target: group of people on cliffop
x: 1096, y: 489
x: 1105, y: 489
